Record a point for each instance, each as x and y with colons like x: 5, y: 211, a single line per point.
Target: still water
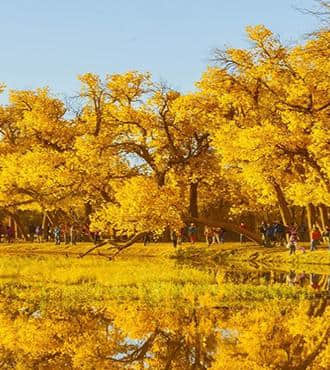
x: 69, y: 313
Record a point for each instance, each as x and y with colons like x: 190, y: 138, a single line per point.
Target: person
x: 269, y: 235
x: 31, y: 232
x: 315, y: 238
x: 326, y: 236
x: 2, y: 232
x: 216, y: 235
x: 57, y: 235
x: 303, y: 232
x: 10, y: 234
x: 192, y: 233
x: 241, y: 235
x: 181, y: 235
x: 222, y: 235
x: 97, y: 236
x: 293, y: 228
x: 208, y: 235
x: 146, y: 239
x: 293, y: 243
x: 174, y: 238
x: 279, y: 233
x: 38, y: 233
x: 262, y: 230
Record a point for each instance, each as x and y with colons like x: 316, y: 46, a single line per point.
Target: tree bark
x: 310, y: 217
x: 88, y: 210
x: 16, y: 221
x: 193, y: 200
x: 227, y: 226
x: 283, y: 205
x: 323, y: 209
x: 44, y: 226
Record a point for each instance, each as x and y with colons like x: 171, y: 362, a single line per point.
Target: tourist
x: 326, y: 236
x: 293, y: 243
x: 38, y: 233
x: 57, y: 235
x: 146, y: 239
x: 279, y: 233
x: 242, y: 235
x: 2, y: 232
x: 269, y: 235
x: 97, y: 236
x: 208, y: 233
x: 31, y: 232
x: 262, y: 230
x: 222, y: 235
x: 181, y: 235
x: 303, y: 232
x: 315, y: 238
x: 174, y: 238
x: 216, y: 235
x: 192, y: 233
x: 10, y: 234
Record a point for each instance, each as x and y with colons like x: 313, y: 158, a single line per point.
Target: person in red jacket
x: 241, y: 235
x: 315, y: 238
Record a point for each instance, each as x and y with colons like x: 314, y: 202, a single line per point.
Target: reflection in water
x: 138, y: 337
x: 92, y: 323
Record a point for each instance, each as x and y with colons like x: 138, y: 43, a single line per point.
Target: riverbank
x: 228, y: 252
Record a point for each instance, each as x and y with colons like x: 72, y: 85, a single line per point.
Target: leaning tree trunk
x: 18, y: 225
x: 251, y: 235
x: 283, y: 205
x: 323, y: 209
x: 193, y: 200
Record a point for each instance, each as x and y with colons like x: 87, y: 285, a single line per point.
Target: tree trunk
x: 323, y: 209
x: 283, y: 205
x: 18, y: 225
x: 310, y: 217
x: 227, y: 226
x: 193, y: 203
x: 161, y: 178
x: 88, y: 211
x: 44, y: 226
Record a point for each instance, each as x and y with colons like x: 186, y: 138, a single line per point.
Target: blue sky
x: 50, y: 42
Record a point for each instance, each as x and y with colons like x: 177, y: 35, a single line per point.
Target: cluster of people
x: 66, y: 233
x: 277, y: 233
x: 214, y: 235
x: 189, y: 233
x: 7, y: 234
x: 273, y: 234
